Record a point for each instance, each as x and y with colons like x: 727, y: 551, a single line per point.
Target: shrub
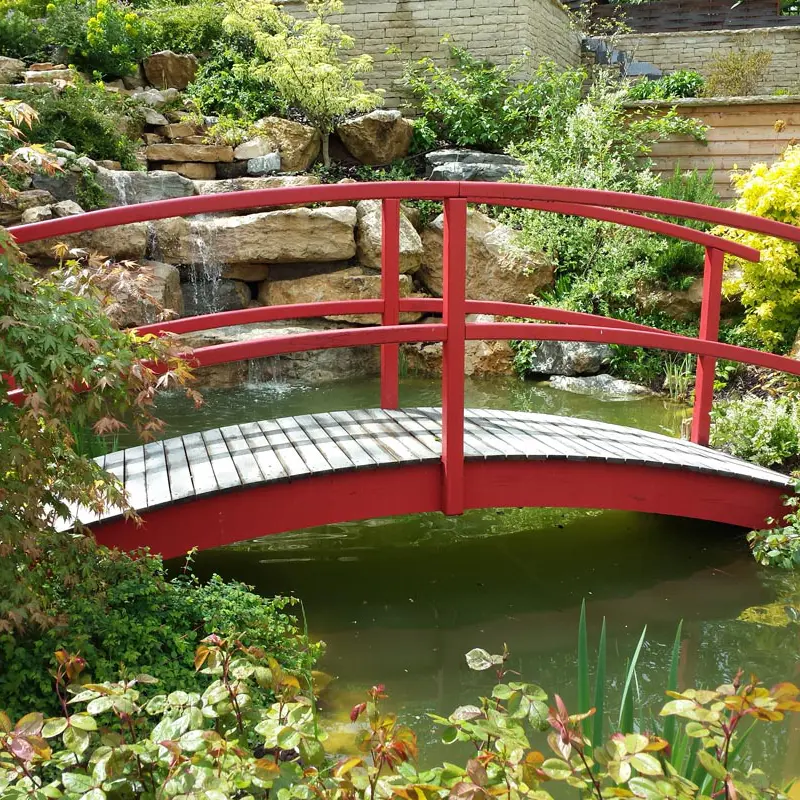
x: 682, y: 83
x: 20, y: 36
x: 474, y: 103
x: 765, y: 431
x: 93, y: 120
x: 193, y: 28
x: 230, y: 83
x: 737, y: 73
x: 770, y: 288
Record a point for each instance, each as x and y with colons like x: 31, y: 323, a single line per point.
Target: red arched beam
x: 404, y: 190
x: 213, y: 520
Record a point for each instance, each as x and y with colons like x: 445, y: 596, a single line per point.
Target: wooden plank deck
x: 292, y: 448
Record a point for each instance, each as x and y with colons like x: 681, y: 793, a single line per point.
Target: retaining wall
x: 498, y: 30
x: 743, y: 131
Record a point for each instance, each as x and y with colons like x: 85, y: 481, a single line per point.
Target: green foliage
x: 737, y: 73
x: 231, y: 83
x: 474, y: 103
x: 88, y: 193
x: 135, y: 620
x: 190, y: 28
x: 779, y: 545
x: 765, y: 431
x: 20, y: 36
x: 770, y: 288
x: 307, y: 61
x: 85, y: 115
x: 681, y: 83
x: 122, y: 739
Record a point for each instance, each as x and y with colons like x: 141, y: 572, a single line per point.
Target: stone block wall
x: 498, y: 30
x: 696, y: 50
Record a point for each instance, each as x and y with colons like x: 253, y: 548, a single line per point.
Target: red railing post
x: 390, y: 292
x: 453, y: 307
x: 709, y: 330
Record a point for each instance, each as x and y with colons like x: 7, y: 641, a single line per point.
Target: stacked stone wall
x: 498, y: 30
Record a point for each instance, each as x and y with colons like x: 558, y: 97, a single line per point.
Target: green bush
x: 193, y: 28
x: 20, y: 36
x: 474, y: 103
x: 682, y: 83
x: 228, y: 84
x: 85, y: 115
x: 765, y: 431
x: 138, y: 620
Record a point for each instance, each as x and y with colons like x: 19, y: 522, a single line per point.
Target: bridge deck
x: 275, y: 450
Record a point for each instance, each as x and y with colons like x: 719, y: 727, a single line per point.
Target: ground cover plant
x: 681, y: 83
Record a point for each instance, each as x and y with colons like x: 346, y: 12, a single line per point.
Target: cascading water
x: 205, y: 272
x: 122, y: 186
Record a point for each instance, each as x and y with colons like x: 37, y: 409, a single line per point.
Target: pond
x: 400, y: 601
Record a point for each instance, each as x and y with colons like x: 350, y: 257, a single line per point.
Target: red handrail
x: 454, y: 330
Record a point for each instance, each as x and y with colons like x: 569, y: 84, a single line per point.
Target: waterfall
x: 122, y: 186
x: 205, y: 272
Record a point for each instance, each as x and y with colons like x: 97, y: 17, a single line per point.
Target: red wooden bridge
x: 255, y: 479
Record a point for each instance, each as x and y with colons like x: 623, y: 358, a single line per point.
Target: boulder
x: 247, y: 183
x: 377, y: 138
x: 155, y: 98
x: 135, y: 81
x: 289, y: 236
x: 178, y: 130
x: 168, y: 70
x: 250, y: 273
x: 209, y: 153
x: 368, y: 238
x: 600, y: 385
x: 164, y: 286
x: 193, y: 170
x: 13, y: 206
x: 470, y: 165
x: 353, y: 283
x: 12, y: 70
x: 208, y: 297
x: 117, y: 243
x: 129, y: 187
x: 313, y: 367
x: 497, y: 269
x: 298, y: 145
x: 63, y: 75
x: 264, y: 165
x: 481, y: 358
x: 60, y: 143
x: 253, y: 148
x: 66, y: 208
x: 685, y: 304
x: 61, y: 185
x: 155, y: 118
x: 568, y: 358
x: 37, y: 214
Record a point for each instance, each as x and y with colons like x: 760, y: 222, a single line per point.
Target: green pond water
x: 399, y: 601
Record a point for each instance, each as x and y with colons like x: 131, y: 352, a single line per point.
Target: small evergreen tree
x: 306, y: 61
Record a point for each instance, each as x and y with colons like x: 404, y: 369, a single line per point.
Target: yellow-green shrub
x: 770, y: 289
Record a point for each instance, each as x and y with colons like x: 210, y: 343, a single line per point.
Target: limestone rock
x: 12, y: 208
x: 677, y: 304
x: 155, y: 118
x: 497, y: 269
x: 353, y: 283
x: 264, y: 165
x: 368, y: 238
x: 37, y: 214
x: 12, y: 70
x: 66, y: 208
x: 135, y: 81
x: 210, y: 153
x: 603, y: 385
x: 61, y: 185
x: 164, y: 287
x: 313, y: 367
x: 64, y: 75
x: 155, y: 98
x: 272, y: 237
x: 206, y: 297
x: 253, y: 148
x: 129, y: 187
x: 568, y: 358
x: 61, y: 144
x: 481, y: 358
x: 250, y: 273
x: 193, y: 170
x: 298, y: 145
x: 469, y: 165
x: 117, y: 243
x: 264, y: 182
x: 377, y: 138
x: 168, y: 70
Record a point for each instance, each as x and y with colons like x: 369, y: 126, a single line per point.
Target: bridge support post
x: 453, y: 309
x: 390, y: 292
x: 709, y: 330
